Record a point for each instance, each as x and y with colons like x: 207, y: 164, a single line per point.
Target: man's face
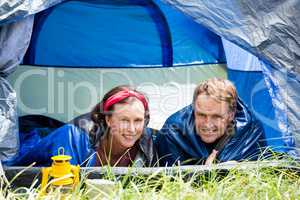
x: 211, y: 118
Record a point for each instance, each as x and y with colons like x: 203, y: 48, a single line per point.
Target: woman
x: 114, y: 133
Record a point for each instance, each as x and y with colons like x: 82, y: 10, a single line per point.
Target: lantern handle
x: 61, y: 151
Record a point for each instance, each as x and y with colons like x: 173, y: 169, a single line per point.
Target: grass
x: 238, y: 183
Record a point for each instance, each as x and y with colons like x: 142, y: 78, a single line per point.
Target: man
x: 217, y: 126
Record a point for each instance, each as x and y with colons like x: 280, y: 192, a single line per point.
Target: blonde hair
x: 219, y: 89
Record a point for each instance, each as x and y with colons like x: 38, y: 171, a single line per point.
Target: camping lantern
x: 62, y: 173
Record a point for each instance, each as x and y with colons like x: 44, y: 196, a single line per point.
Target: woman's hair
x: 220, y: 90
x: 98, y: 113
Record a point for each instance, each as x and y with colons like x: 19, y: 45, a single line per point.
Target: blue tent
x: 59, y: 57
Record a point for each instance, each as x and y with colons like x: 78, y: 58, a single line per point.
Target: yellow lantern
x: 61, y: 172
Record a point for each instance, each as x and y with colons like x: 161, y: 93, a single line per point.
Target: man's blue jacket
x: 178, y: 140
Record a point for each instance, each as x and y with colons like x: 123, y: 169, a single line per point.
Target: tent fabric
x: 14, y: 40
x: 171, y: 38
x: 11, y: 11
x: 79, y: 19
x: 268, y: 29
x: 244, y: 70
x: 9, y: 141
x: 178, y: 141
x: 284, y: 89
x: 259, y: 88
x: 239, y: 59
x: 252, y: 89
x: 189, y: 36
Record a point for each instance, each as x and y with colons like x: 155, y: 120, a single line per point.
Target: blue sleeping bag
x: 40, y: 144
x: 178, y: 140
x: 41, y: 137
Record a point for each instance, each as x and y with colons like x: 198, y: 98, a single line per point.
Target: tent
x: 58, y: 58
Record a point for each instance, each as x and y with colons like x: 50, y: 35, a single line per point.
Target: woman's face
x: 126, y: 123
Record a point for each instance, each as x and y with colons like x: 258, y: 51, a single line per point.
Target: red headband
x: 119, y: 96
